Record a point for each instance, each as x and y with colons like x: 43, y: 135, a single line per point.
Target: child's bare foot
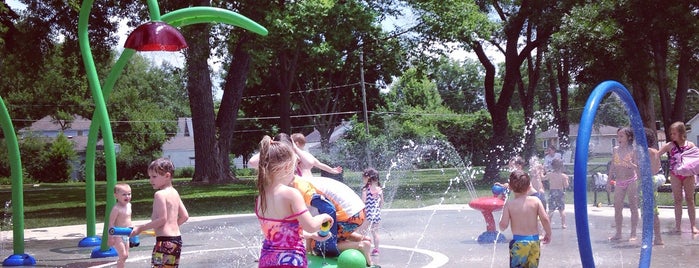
x: 695, y: 230
x: 615, y: 238
x: 564, y: 226
x: 676, y: 231
x: 658, y: 241
x: 632, y: 237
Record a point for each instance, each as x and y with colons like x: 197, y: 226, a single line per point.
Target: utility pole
x: 366, y: 114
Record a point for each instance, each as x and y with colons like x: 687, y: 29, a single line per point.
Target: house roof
x: 695, y: 118
x: 48, y: 124
x: 313, y: 138
x: 184, y: 139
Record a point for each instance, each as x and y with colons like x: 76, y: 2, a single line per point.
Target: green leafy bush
x: 185, y: 172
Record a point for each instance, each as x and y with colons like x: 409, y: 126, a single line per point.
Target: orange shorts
x: 346, y: 228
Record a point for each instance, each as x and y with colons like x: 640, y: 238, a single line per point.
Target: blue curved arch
x: 580, y: 172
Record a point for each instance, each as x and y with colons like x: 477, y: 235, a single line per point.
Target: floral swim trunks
x: 166, y: 252
x: 525, y: 251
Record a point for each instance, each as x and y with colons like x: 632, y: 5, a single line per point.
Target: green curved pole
x: 90, y: 153
x: 203, y: 14
x: 17, y: 186
x: 153, y: 10
x: 100, y: 119
x: 100, y: 111
x: 97, y: 117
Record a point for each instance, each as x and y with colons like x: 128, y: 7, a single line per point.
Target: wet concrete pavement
x: 443, y: 236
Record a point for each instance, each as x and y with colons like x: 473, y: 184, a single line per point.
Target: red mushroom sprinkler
x: 487, y: 205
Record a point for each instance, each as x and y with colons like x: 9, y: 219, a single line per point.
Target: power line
x: 310, y: 90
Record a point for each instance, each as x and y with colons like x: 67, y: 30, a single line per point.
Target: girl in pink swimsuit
x: 680, y: 184
x: 281, y: 210
x: 623, y: 169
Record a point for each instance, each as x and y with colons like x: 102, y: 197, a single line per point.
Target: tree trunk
x: 527, y: 94
x: 496, y: 157
x: 230, y: 102
x: 284, y: 78
x: 563, y: 85
x: 491, y: 165
x: 683, y: 74
x: 207, y: 165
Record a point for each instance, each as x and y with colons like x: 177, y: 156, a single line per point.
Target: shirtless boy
x: 524, y: 212
x: 168, y: 214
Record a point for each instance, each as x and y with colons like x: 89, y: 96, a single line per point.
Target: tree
x: 315, y: 65
x: 144, y: 107
x: 515, y: 29
x: 42, y: 54
x: 459, y: 84
x: 59, y: 165
x: 641, y: 44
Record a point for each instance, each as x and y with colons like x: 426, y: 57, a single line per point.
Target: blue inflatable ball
x: 351, y: 258
x: 497, y: 190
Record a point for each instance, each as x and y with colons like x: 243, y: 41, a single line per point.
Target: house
x: 693, y: 129
x: 602, y: 139
x: 313, y: 138
x: 180, y: 148
x: 77, y: 132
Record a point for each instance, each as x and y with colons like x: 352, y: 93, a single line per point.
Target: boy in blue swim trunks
x: 524, y: 212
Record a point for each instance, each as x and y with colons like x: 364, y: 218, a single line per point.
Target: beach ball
x: 497, y: 190
x: 351, y: 258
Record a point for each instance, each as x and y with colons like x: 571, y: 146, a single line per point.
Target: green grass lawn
x: 50, y: 204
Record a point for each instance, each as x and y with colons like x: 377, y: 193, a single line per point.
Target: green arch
x: 100, y: 120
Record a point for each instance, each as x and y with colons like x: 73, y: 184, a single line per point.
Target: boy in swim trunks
x: 524, y: 212
x: 168, y: 214
x: 558, y: 182
x: 120, y: 216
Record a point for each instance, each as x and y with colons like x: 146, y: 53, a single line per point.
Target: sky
x: 14, y: 4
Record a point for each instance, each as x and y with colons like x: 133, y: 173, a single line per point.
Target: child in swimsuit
x: 681, y: 185
x: 281, y: 209
x: 623, y: 169
x: 372, y: 194
x: 120, y: 216
x: 168, y: 214
x: 558, y: 182
x: 524, y: 212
